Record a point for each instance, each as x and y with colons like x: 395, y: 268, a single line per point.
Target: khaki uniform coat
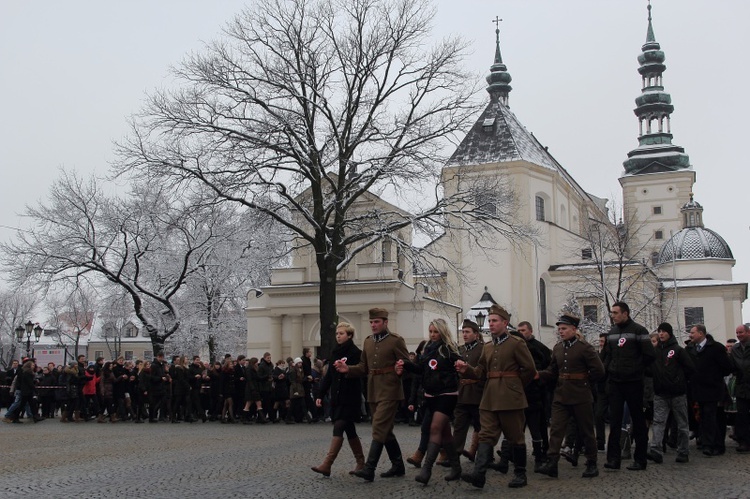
x: 506, y: 393
x: 579, y: 359
x: 470, y: 390
x: 381, y: 355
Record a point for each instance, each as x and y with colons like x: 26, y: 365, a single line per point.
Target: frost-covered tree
x: 15, y: 309
x: 308, y: 106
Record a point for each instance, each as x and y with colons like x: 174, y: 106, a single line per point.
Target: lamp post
x: 27, y: 330
x: 480, y: 319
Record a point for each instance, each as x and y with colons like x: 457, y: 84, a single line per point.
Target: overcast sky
x: 72, y: 72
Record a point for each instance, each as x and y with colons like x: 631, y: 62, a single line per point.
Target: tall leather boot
x: 368, y: 472
x: 505, y: 454
x: 77, y: 417
x: 550, y: 467
x: 416, y: 458
x: 469, y: 454
x: 455, y: 461
x: 397, y: 460
x: 478, y: 477
x: 359, y: 455
x: 433, y: 449
x: 539, y: 457
x: 519, y: 467
x: 333, y: 451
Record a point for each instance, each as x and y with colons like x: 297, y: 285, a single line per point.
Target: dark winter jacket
x: 672, y: 369
x: 627, y: 352
x: 535, y: 391
x: 436, y: 366
x: 265, y: 370
x: 343, y: 391
x: 25, y: 382
x: 740, y: 360
x: 280, y: 383
x: 711, y: 365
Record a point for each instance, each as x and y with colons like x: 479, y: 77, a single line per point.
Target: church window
x: 98, y: 353
x: 693, y: 316
x: 539, y: 202
x: 657, y: 210
x: 385, y: 250
x: 658, y: 234
x: 543, y: 302
x: 586, y: 254
x: 128, y: 355
x: 486, y: 201
x: 591, y: 312
x: 654, y: 258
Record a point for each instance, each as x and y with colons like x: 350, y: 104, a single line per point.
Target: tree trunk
x: 157, y: 342
x: 328, y: 312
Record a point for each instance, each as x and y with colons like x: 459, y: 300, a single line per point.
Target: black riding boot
x: 519, y: 467
x: 368, y: 472
x: 505, y: 457
x: 397, y: 460
x: 482, y: 458
x: 550, y: 467
x: 455, y: 461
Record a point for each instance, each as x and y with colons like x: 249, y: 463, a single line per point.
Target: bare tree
x: 146, y: 243
x: 15, y: 309
x: 617, y: 268
x: 305, y: 109
x: 71, y: 313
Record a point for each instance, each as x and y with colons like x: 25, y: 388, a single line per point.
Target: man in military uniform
x: 575, y: 364
x: 469, y: 393
x: 385, y: 391
x: 507, y: 366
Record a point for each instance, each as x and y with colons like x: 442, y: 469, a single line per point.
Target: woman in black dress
x: 438, y: 376
x: 345, y: 394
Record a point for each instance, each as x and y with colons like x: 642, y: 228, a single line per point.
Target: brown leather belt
x: 385, y: 370
x: 469, y: 381
x: 574, y: 376
x: 503, y: 374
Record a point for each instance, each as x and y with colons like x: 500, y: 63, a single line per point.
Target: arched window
x: 543, y: 302
x: 539, y: 203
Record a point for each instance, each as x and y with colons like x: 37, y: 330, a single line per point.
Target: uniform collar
x: 498, y: 340
x: 380, y: 336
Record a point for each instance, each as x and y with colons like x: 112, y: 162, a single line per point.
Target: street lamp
x: 27, y: 330
x: 480, y: 319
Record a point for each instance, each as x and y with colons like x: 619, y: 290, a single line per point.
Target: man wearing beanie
x: 671, y: 370
x: 385, y: 391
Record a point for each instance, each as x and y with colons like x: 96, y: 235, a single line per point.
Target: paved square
x: 50, y: 459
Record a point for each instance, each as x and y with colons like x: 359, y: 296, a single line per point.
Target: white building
x: 671, y: 267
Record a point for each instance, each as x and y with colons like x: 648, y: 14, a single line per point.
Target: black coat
x: 627, y: 352
x: 280, y: 384
x: 711, y: 365
x: 671, y: 369
x: 345, y: 393
x: 436, y: 366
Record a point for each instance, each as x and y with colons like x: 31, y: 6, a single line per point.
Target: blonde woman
x: 436, y: 366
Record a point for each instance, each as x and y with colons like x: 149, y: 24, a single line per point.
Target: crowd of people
x: 574, y: 399
x: 234, y: 390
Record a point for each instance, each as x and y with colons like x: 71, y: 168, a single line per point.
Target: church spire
x: 499, y: 79
x: 655, y: 151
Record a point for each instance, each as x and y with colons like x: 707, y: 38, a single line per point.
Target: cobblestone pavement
x: 165, y: 460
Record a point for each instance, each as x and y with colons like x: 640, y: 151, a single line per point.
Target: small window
x: 386, y: 250
x: 539, y: 201
x: 543, y: 302
x: 657, y: 210
x: 128, y: 355
x: 659, y: 235
x: 148, y: 355
x: 591, y: 313
x: 693, y: 316
x: 586, y: 254
x: 98, y: 353
x: 654, y: 258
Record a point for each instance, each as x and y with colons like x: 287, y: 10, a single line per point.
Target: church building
x: 656, y: 254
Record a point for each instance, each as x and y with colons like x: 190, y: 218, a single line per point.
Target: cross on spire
x: 497, y: 22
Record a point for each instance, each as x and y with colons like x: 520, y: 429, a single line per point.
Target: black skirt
x: 442, y: 403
